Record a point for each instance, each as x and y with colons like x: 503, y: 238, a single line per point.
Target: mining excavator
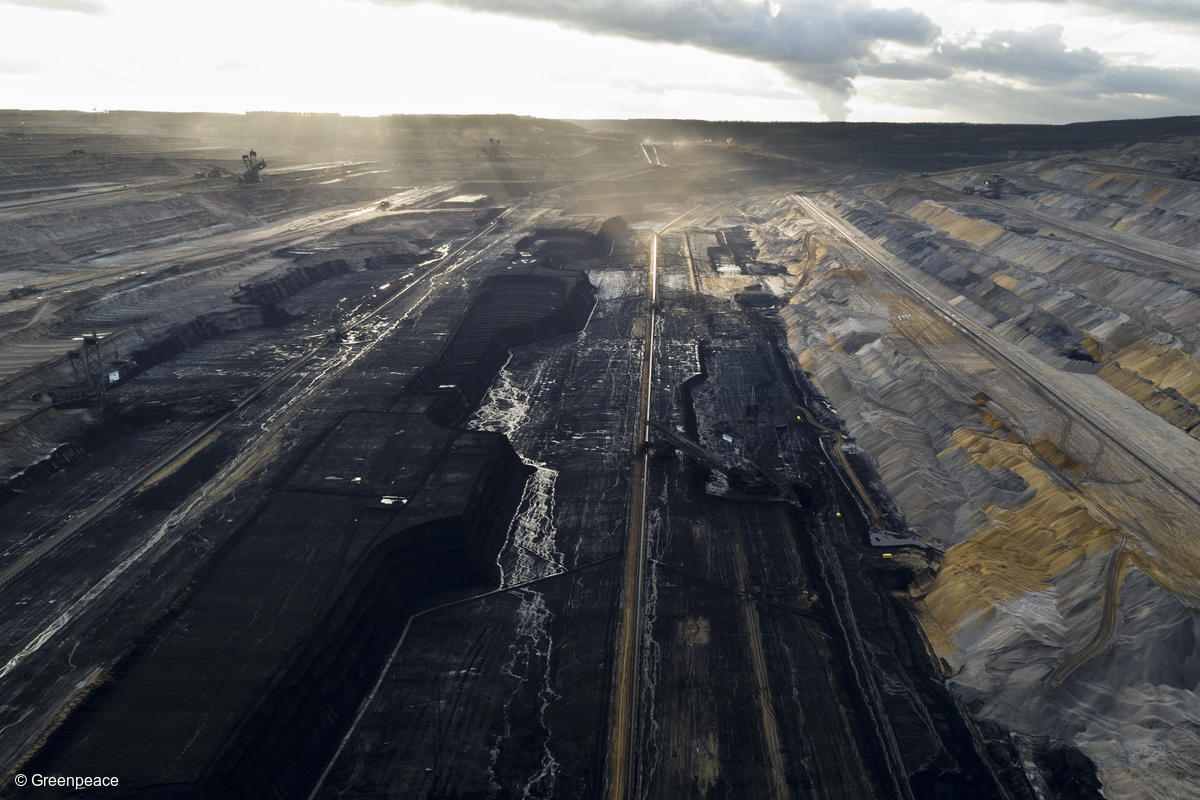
x: 741, y: 475
x: 494, y: 151
x: 254, y: 165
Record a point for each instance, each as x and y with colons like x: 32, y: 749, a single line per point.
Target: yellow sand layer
x: 855, y: 276
x: 1021, y: 550
x: 1005, y: 281
x: 978, y: 232
x: 1154, y: 195
x: 1179, y: 414
x: 1163, y: 366
x: 1145, y: 371
x: 807, y: 360
x: 1025, y: 549
x: 1110, y: 176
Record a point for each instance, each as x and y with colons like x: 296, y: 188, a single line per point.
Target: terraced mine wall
x: 1037, y: 329
x: 556, y: 246
x: 260, y: 308
x: 933, y: 740
x: 1048, y: 611
x: 59, y: 457
x: 70, y: 235
x: 273, y: 290
x: 43, y: 432
x: 513, y: 310
x: 205, y: 327
x: 393, y: 260
x: 387, y: 512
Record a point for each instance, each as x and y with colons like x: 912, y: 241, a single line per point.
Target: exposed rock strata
x: 1066, y: 603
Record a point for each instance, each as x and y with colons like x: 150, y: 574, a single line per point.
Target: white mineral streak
x: 530, y: 549
x: 529, y: 552
x: 529, y: 659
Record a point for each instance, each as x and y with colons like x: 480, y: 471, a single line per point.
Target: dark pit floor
x: 396, y: 585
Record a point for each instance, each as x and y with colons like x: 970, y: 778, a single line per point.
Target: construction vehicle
x: 254, y: 165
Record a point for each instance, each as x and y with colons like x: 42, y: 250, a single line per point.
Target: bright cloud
x: 974, y: 60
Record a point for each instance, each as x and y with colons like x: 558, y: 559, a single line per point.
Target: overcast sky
x: 898, y: 60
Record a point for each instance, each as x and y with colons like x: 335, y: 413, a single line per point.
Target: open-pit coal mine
x: 800, y: 461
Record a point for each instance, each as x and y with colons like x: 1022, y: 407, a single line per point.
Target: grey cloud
x: 1181, y: 85
x: 1058, y: 83
x: 819, y: 44
x: 823, y: 47
x: 79, y: 6
x: 1038, y: 55
x: 1183, y: 11
x: 982, y: 100
x: 906, y: 70
x: 1170, y: 10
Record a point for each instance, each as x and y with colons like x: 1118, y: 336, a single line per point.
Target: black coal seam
x: 58, y: 740
x: 366, y: 618
x: 232, y: 758
x: 823, y: 619
x: 236, y: 758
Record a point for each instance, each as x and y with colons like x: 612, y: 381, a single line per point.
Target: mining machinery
x: 992, y: 187
x: 1190, y: 172
x: 744, y: 475
x: 94, y: 370
x: 254, y: 165
x: 650, y: 151
x: 493, y: 151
